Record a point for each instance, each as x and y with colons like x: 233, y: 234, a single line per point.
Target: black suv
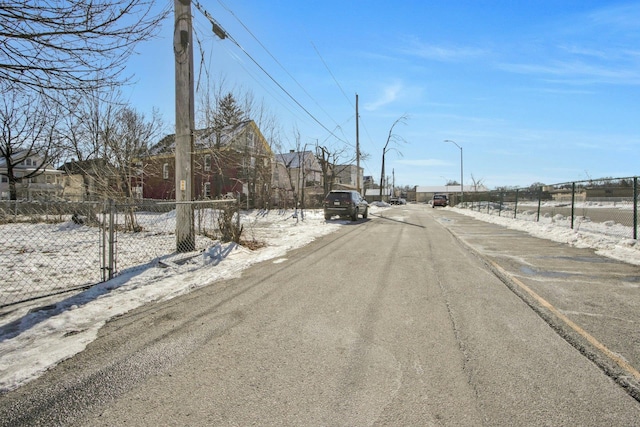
x: 345, y: 203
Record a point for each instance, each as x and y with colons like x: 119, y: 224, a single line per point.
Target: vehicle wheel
x: 433, y: 206
x: 327, y: 217
x: 354, y: 217
x: 366, y: 213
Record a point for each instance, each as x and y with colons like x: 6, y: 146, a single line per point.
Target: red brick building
x: 234, y: 162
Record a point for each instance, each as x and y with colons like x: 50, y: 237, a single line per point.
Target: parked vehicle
x: 439, y: 200
x: 397, y: 201
x: 345, y: 203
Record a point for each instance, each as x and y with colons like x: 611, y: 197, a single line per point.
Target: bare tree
x: 85, y: 116
x: 477, y: 183
x: 127, y: 142
x: 72, y: 45
x: 329, y: 160
x: 27, y: 128
x: 127, y: 138
x: 394, y: 139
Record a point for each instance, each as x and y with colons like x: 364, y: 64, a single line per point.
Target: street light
x: 461, y: 170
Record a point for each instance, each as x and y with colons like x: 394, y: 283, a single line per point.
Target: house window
x: 207, y: 162
x: 28, y: 162
x: 207, y: 190
x: 250, y: 139
x: 5, y: 179
x: 165, y: 171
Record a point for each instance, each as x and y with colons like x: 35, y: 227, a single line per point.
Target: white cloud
x: 389, y: 94
x: 618, y: 17
x: 443, y: 53
x: 577, y: 72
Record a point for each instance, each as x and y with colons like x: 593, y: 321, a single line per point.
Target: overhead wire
x: 276, y: 95
x: 332, y: 76
x: 340, y: 87
x: 274, y: 58
x: 220, y: 32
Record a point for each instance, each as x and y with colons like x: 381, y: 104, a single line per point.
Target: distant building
x: 346, y: 177
x: 425, y: 193
x: 87, y: 180
x: 44, y: 184
x: 292, y: 172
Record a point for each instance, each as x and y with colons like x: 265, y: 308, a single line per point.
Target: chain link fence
x: 607, y: 206
x: 51, y: 248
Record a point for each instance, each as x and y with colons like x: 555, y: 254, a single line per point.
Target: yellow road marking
x: 593, y: 341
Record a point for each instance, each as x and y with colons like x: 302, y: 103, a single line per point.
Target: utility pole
x: 357, y: 149
x: 185, y: 124
x: 393, y: 182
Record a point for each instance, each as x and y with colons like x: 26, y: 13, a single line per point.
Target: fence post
x: 238, y: 211
x: 573, y: 201
x: 515, y: 208
x: 539, y: 203
x: 112, y: 227
x: 103, y: 244
x: 635, y: 208
x: 501, y: 201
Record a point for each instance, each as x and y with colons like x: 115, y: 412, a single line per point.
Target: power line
x: 334, y: 77
x: 276, y: 60
x: 269, y: 90
x: 220, y: 32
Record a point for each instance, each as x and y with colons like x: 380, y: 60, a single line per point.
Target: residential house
x: 87, y: 180
x: 236, y: 162
x: 346, y: 177
x: 293, y: 172
x: 36, y: 178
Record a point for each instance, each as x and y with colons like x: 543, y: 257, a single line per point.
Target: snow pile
x: 603, y: 237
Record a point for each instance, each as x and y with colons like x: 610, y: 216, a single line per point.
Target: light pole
x: 461, y: 171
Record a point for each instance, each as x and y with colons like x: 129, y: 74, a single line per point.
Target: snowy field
x: 37, y: 335
x: 41, y: 259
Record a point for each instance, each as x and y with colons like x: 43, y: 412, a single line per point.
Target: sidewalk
x: 591, y: 300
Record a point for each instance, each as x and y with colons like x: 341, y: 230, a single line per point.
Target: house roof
x: 21, y: 155
x: 91, y: 166
x: 294, y: 159
x: 204, y: 138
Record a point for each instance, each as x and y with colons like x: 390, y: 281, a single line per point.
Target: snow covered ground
x: 36, y: 336
x: 604, y: 236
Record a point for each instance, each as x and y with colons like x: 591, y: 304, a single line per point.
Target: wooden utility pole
x: 357, y: 149
x: 393, y: 182
x: 185, y: 124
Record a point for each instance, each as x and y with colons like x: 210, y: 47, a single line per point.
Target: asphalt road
x: 414, y: 317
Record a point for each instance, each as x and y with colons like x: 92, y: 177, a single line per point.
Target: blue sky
x: 543, y: 91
